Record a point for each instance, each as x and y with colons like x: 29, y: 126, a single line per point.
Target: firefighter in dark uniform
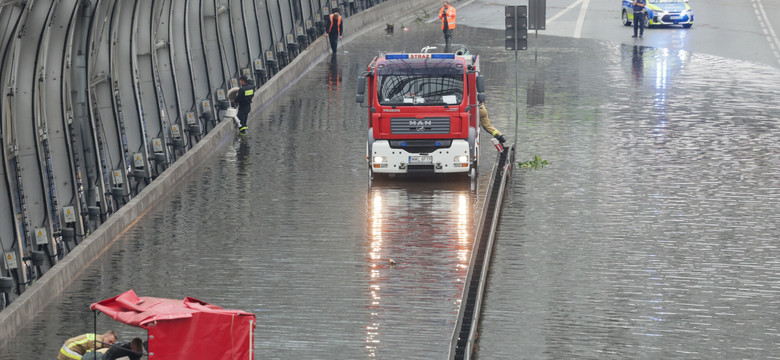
x: 244, y: 101
x: 335, y: 29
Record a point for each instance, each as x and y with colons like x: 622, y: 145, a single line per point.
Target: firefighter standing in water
x: 335, y: 28
x: 244, y: 101
x: 447, y: 16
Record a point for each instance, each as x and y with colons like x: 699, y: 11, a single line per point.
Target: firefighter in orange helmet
x: 447, y: 16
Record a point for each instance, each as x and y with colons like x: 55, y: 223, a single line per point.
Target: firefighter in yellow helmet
x: 447, y: 16
x: 484, y: 120
x: 75, y: 348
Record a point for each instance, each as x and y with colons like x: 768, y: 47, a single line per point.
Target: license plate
x: 417, y: 159
x: 675, y: 17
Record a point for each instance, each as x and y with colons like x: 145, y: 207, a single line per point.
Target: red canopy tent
x: 185, y: 329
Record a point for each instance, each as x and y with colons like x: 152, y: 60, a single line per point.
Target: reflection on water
x: 334, y: 74
x: 652, y: 234
x: 638, y: 64
x: 420, y: 237
x: 276, y: 224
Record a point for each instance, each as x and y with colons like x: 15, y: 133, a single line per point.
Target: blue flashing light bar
x: 419, y: 56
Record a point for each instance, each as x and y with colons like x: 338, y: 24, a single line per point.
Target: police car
x: 660, y: 12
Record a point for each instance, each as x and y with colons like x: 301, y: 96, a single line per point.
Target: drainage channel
x: 464, y: 334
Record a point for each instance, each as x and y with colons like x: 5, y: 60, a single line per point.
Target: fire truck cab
x: 423, y: 112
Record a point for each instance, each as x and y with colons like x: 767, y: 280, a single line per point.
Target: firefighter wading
x: 244, y: 101
x: 335, y: 28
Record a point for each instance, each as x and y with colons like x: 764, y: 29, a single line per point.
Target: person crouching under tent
x: 132, y: 350
x: 74, y: 348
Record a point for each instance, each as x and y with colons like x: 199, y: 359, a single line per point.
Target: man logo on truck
x: 420, y: 123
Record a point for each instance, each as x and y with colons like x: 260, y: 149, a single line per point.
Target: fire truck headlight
x: 462, y: 159
x: 379, y: 162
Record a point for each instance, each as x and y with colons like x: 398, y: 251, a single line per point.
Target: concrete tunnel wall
x: 108, y: 104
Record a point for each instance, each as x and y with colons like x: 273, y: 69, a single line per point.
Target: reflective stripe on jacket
x: 338, y: 26
x: 484, y: 120
x: 450, y: 16
x: 245, y: 95
x: 75, y: 347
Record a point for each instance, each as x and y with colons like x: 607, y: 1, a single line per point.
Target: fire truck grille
x: 400, y: 126
x: 420, y: 146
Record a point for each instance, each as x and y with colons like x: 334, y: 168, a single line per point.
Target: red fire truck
x: 423, y: 113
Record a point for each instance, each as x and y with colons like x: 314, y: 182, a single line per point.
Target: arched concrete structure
x: 108, y: 104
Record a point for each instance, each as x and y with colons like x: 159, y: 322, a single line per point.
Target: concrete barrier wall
x: 55, y: 280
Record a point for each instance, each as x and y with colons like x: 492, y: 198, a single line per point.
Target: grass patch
x: 537, y: 163
x: 422, y: 16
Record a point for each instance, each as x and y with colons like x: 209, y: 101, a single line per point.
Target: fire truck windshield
x: 420, y: 89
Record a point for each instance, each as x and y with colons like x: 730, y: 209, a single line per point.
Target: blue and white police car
x: 660, y: 12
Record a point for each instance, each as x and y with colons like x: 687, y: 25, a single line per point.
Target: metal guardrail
x: 465, y: 331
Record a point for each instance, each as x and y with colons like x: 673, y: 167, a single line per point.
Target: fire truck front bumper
x: 387, y: 160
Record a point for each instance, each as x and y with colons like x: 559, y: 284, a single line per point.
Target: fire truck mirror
x: 361, y: 85
x: 361, y: 89
x: 481, y: 97
x: 480, y: 84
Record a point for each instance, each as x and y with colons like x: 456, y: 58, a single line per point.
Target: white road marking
x: 581, y: 19
x: 766, y: 26
x: 559, y: 14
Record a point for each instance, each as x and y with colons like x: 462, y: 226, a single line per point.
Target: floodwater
x: 651, y: 233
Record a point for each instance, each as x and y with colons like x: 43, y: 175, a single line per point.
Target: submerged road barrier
x: 465, y: 333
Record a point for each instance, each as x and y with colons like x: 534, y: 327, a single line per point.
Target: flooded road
x: 283, y: 223
x: 652, y: 233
